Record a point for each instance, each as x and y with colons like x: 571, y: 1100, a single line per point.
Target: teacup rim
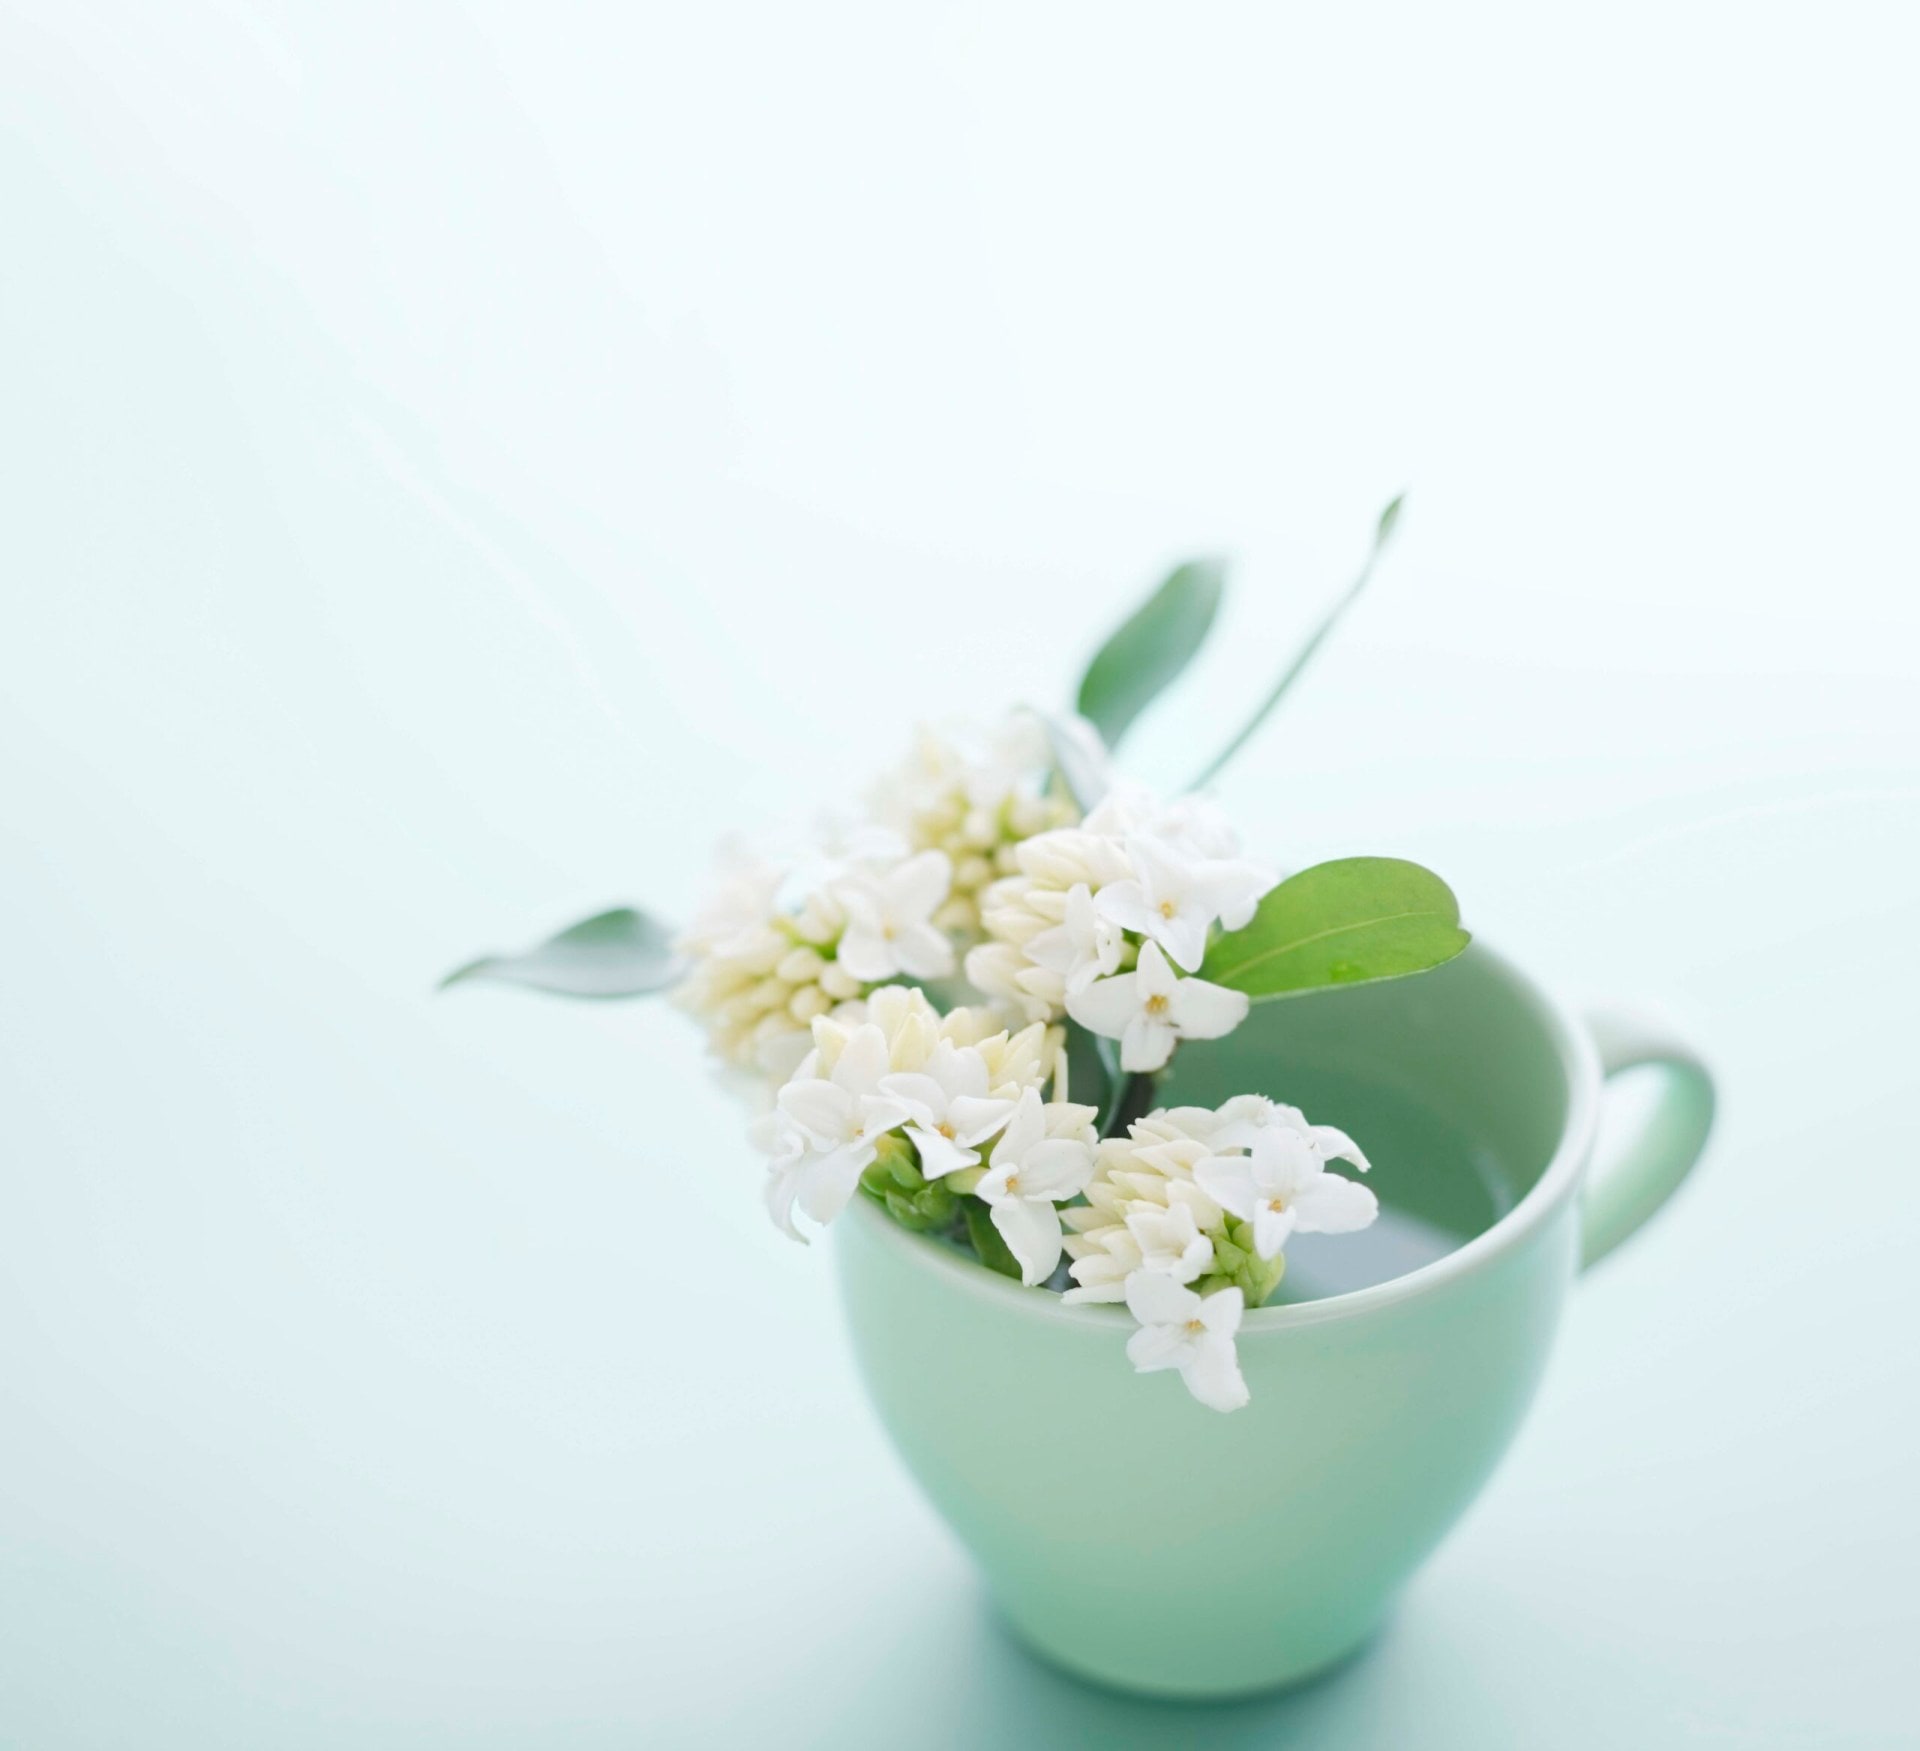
x: 1579, y: 1063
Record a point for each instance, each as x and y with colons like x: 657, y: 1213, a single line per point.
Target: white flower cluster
x: 1191, y: 1211
x: 1107, y: 921
x: 942, y: 1117
x: 775, y: 948
x: 958, y: 1091
x: 760, y: 973
x: 974, y: 794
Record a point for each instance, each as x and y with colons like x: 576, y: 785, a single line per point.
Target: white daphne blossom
x: 761, y: 968
x: 841, y: 1116
x: 1082, y: 947
x: 1194, y: 1333
x: 1281, y: 1186
x: 950, y: 1110
x: 1169, y: 1240
x: 893, y: 1072
x: 1175, y: 900
x: 890, y: 928
x: 1087, y: 900
x: 1152, y: 1008
x: 975, y: 794
x: 1044, y: 1158
x: 1138, y: 1180
x: 1202, y: 1201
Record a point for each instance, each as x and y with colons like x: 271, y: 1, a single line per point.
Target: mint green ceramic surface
x: 1138, y: 1539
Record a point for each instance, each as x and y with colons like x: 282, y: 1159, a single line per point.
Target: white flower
x: 975, y: 793
x: 890, y: 928
x: 1169, y: 1239
x: 1145, y: 1173
x: 1031, y: 1172
x: 782, y: 1140
x: 1174, y: 899
x: 950, y: 1109
x: 1151, y: 1008
x: 1083, y: 947
x: 1179, y: 1329
x: 1243, y: 1118
x: 757, y: 975
x: 1283, y: 1187
x: 843, y: 1116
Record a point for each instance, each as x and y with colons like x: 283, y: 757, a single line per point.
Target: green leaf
x: 1150, y: 649
x: 1382, y: 533
x: 622, y: 953
x: 1340, y: 923
x: 994, y: 1252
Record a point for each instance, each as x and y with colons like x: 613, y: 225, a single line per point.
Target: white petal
x: 827, y: 1182
x: 1154, y: 1347
x: 920, y: 884
x: 1166, y: 874
x: 783, y: 1185
x: 1056, y: 949
x: 824, y: 1111
x: 1211, y: 1370
x: 1184, y: 936
x: 992, y: 1186
x: 1236, y: 888
x: 975, y: 1118
x: 1107, y: 1005
x: 1205, y: 1012
x: 878, y: 1115
x: 1026, y: 1128
x: 1126, y: 903
x: 1057, y: 1169
x: 1220, y: 1312
x: 1334, y: 1205
x: 865, y: 954
x: 1228, y: 1181
x: 1283, y: 1162
x: 1031, y: 1229
x: 940, y: 1155
x: 1147, y: 1043
x: 1336, y: 1145
x: 1272, y: 1229
x: 1155, y: 1299
x: 922, y: 951
x: 920, y: 1094
x: 863, y: 1060
x: 1156, y: 978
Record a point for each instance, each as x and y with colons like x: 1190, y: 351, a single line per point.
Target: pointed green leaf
x: 1146, y: 654
x: 1382, y: 533
x: 622, y: 953
x: 1341, y: 923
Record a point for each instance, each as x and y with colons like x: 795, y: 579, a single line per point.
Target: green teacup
x: 1138, y: 1539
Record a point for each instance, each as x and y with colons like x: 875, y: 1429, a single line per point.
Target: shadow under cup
x: 1136, y: 1538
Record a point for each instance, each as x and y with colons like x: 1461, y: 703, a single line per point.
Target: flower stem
x: 1132, y: 1099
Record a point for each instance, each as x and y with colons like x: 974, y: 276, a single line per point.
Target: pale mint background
x: 454, y: 464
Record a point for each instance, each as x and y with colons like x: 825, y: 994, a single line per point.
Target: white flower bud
x: 801, y: 966
x: 836, y: 981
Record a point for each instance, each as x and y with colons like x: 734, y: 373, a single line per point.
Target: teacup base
x: 1253, y: 1667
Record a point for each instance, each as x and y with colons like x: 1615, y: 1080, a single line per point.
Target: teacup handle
x: 1623, y: 1192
